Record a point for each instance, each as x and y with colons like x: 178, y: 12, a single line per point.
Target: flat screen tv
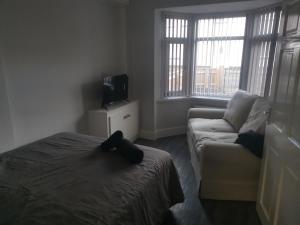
x: 115, y: 89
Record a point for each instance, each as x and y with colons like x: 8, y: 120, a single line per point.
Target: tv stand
x: 115, y: 104
x: 124, y: 117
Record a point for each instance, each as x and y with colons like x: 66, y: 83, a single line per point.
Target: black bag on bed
x: 130, y: 151
x: 127, y: 149
x: 112, y: 142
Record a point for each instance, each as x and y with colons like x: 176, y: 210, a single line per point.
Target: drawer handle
x: 126, y: 116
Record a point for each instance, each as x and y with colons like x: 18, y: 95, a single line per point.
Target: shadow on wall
x: 91, y: 99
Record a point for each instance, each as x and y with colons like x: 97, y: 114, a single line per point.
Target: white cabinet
x: 103, y: 123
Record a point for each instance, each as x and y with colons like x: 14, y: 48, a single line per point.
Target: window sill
x: 194, y: 98
x: 172, y: 99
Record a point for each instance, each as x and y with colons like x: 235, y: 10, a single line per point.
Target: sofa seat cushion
x: 210, y: 125
x: 221, y: 137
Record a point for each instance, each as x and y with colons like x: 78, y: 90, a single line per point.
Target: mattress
x: 63, y: 179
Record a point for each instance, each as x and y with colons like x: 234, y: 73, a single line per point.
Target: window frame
x: 189, y: 56
x: 230, y: 38
x: 254, y: 40
x: 190, y: 51
x: 164, y: 55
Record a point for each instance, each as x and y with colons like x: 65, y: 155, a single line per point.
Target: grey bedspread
x: 63, y: 180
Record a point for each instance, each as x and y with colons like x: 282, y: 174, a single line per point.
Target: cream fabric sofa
x: 223, y: 170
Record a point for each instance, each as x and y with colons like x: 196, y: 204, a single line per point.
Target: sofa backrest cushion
x: 238, y: 108
x: 258, y: 117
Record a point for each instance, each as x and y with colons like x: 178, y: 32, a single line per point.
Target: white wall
x: 53, y: 53
x: 6, y: 133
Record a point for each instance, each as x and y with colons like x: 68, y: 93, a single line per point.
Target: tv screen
x: 115, y: 89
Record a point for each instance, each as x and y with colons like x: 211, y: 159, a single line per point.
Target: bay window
x: 204, y: 56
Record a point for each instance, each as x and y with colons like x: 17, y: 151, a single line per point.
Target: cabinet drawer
x: 126, y: 120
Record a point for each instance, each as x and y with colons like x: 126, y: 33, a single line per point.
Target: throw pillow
x: 252, y: 141
x: 258, y: 117
x: 238, y: 108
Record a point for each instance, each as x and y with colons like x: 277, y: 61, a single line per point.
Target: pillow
x: 252, y: 141
x: 238, y: 108
x: 258, y: 117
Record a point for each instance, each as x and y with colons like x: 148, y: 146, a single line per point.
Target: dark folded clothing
x: 130, y: 151
x: 254, y: 142
x: 123, y: 146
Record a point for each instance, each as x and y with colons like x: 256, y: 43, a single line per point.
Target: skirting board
x: 147, y: 134
x: 160, y: 133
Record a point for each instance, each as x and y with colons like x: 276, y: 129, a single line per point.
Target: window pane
x: 258, y: 68
x: 221, y: 27
x: 217, y: 70
x: 175, y: 70
x: 261, y: 47
x: 176, y: 28
x: 263, y: 24
x: 218, y: 59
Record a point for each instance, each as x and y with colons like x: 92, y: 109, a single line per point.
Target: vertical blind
x: 202, y: 56
x: 176, y: 34
x: 218, y: 58
x: 261, y: 45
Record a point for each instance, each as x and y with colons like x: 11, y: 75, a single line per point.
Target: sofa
x: 223, y: 169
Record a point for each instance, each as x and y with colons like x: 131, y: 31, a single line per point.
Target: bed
x: 63, y: 179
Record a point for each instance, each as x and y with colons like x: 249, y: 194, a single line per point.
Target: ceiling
x: 122, y: 2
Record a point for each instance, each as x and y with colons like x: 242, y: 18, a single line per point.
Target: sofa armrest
x: 206, y: 113
x: 228, y: 161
